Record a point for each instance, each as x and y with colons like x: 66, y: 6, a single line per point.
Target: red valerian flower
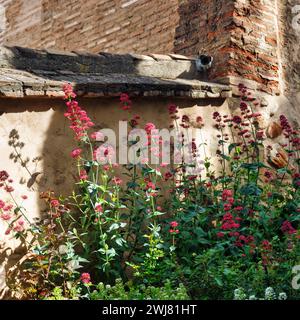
x: 235, y: 234
x: 168, y: 175
x: 7, y: 207
x: 174, y: 224
x: 3, y: 175
x: 242, y: 132
x: 54, y: 203
x: 172, y: 109
x: 83, y: 175
x: 237, y: 119
x: 266, y: 244
x: 80, y: 122
x: 149, y: 127
x: 226, y: 194
x: 76, y: 153
x: 288, y: 228
x: 216, y: 115
x: 98, y: 135
x: 124, y: 97
x: 125, y: 101
x: 2, y: 204
x: 229, y: 223
x: 227, y: 216
x: 243, y: 106
x: 285, y: 125
x: 199, y: 119
x: 9, y: 189
x: 19, y: 227
x: 98, y: 208
x: 185, y: 118
x: 266, y: 252
x: 68, y: 90
x: 105, y: 153
x: 259, y: 135
x: 239, y: 208
x: 227, y: 206
x: 6, y: 216
x: 85, y: 278
x: 150, y: 186
x: 117, y: 180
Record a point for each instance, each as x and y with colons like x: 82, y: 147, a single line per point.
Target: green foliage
x: 239, y: 294
x: 163, y: 233
x: 128, y: 291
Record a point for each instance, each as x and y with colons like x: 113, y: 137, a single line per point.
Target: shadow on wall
x: 59, y: 169
x: 187, y: 35
x: 39, y: 130
x: 27, y: 153
x: 204, y: 28
x: 45, y: 133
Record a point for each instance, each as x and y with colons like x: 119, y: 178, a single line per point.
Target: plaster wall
x: 47, y: 139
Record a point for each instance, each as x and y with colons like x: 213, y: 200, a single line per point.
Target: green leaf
x: 200, y: 232
x: 283, y: 171
x: 114, y: 226
x: 120, y: 242
x: 231, y: 147
x: 219, y: 281
x: 224, y: 156
x: 250, y: 190
x: 254, y: 165
x: 158, y: 213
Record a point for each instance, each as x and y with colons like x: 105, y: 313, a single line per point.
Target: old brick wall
x: 289, y: 18
x: 205, y: 26
x: 254, y: 43
x: 94, y: 25
x: 242, y: 35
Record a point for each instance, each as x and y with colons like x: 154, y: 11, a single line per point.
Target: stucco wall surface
x: 40, y: 125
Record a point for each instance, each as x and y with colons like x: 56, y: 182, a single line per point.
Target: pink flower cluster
x: 117, y: 181
x: 7, y: 215
x: 288, y: 228
x: 291, y: 134
x: 174, y: 225
x: 76, y: 153
x: 227, y: 195
x: 104, y: 154
x: 68, y: 90
x: 149, y: 127
x: 229, y: 222
x: 85, y: 278
x: 266, y: 250
x: 80, y: 122
x: 125, y: 102
x: 5, y: 182
x: 8, y: 211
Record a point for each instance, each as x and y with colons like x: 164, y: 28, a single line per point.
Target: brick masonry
x: 254, y: 43
x: 244, y: 36
x: 118, y: 26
